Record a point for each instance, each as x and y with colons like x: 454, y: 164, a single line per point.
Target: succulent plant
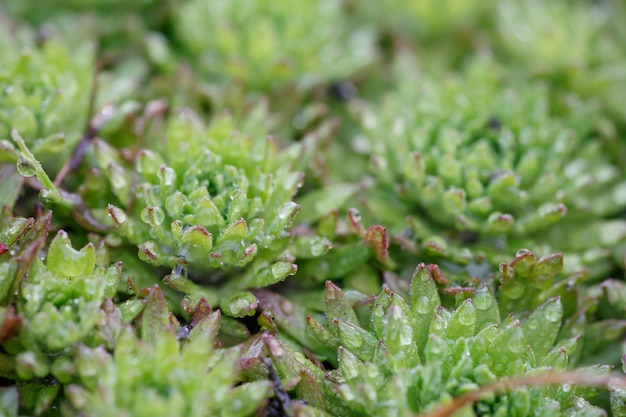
x: 267, y: 45
x: 471, y: 159
x: 574, y: 43
x: 216, y: 208
x: 181, y: 371
x: 49, y: 306
x: 408, y: 357
x: 228, y: 209
x: 45, y: 93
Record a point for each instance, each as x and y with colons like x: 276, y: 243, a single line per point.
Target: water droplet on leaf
x: 423, y: 305
x: 25, y: 167
x: 553, y: 312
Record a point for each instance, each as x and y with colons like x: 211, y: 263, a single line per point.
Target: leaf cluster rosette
x: 408, y: 354
x: 48, y: 306
x: 485, y: 161
x: 73, y: 350
x: 167, y: 369
x: 212, y: 203
x: 578, y: 45
x: 272, y: 44
x: 45, y: 93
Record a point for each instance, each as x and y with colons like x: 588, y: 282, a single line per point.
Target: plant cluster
x: 494, y: 162
x: 313, y: 208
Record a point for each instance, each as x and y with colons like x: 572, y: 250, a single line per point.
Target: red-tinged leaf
x: 237, y: 231
x: 547, y: 267
x: 321, y: 333
x: 118, y: 215
x: 376, y: 236
x: 3, y: 248
x: 309, y: 390
x: 210, y: 324
x: 437, y: 275
x: 405, y: 243
x: 110, y: 325
x: 266, y: 322
x: 523, y: 262
x: 435, y: 246
x: 11, y: 324
x: 200, y: 312
x: 278, y: 305
x: 40, y: 228
x: 252, y: 350
x: 507, y: 274
x: 31, y: 240
x: 13, y: 228
x: 336, y: 304
x: 156, y: 316
x: 148, y: 252
x: 132, y: 286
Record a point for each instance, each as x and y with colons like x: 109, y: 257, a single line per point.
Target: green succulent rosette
x: 266, y: 45
x: 404, y: 354
x: 45, y: 93
x: 220, y: 219
x: 482, y: 165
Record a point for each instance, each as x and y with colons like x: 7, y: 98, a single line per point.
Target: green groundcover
x: 307, y: 208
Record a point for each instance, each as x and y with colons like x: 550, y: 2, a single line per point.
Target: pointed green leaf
x: 463, y: 321
x: 336, y: 305
x: 424, y: 302
x: 360, y: 342
x: 156, y: 317
x: 542, y: 327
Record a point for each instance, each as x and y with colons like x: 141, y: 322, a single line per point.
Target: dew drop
x: 483, y: 300
x: 553, y: 312
x: 579, y: 403
x: 286, y: 210
x: 466, y: 315
x: 532, y: 323
x: 286, y: 306
x: 183, y: 332
x: 522, y: 252
x: 25, y: 167
x: 281, y: 270
x: 423, y: 305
